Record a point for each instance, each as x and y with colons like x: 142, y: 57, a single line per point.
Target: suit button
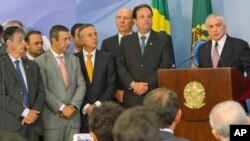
x: 141, y: 65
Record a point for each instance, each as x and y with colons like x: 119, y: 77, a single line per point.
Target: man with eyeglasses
x: 34, y: 46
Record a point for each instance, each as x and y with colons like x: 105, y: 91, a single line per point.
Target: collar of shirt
x: 21, y: 66
x: 146, y: 35
x: 13, y: 60
x: 120, y: 36
x: 29, y: 56
x: 85, y: 55
x: 221, y: 44
x: 56, y: 54
x: 167, y: 130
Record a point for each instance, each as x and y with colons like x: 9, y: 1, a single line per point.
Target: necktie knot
x: 216, y: 45
x: 89, y: 56
x: 60, y: 58
x: 143, y: 38
x: 17, y: 62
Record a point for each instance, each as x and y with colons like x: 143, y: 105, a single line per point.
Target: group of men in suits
x: 75, y: 84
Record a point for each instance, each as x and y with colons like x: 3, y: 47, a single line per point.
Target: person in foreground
x: 102, y: 120
x: 166, y: 105
x: 137, y: 124
x: 223, y: 50
x: 225, y: 114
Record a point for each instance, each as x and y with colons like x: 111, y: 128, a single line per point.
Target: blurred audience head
x: 165, y: 104
x: 137, y: 124
x: 102, y: 120
x: 223, y: 115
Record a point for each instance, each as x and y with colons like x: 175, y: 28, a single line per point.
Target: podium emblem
x: 194, y: 94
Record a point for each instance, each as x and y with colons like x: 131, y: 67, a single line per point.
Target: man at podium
x: 223, y: 50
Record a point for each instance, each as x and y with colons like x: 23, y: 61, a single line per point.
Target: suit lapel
x: 11, y: 68
x: 150, y: 44
x: 98, y: 61
x: 225, y: 52
x: 27, y: 72
x: 207, y: 53
x: 135, y: 44
x: 68, y: 65
x: 52, y: 64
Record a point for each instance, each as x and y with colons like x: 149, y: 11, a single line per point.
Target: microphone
x: 184, y: 61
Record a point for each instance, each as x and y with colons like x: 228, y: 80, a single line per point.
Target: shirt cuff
x: 61, y: 108
x: 98, y: 103
x: 25, y: 112
x: 84, y: 110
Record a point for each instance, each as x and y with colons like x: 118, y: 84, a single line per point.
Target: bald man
x: 124, y: 24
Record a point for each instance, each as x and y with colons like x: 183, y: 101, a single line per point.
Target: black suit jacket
x: 103, y: 84
x: 235, y: 53
x: 14, y: 94
x: 132, y: 66
x: 111, y: 45
x: 167, y: 136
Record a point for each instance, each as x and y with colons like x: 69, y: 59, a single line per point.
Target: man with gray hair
x: 225, y: 114
x: 223, y: 50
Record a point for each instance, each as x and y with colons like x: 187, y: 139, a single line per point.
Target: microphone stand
x: 182, y: 62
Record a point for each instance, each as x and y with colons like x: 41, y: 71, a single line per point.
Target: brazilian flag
x: 201, y: 9
x: 161, y: 21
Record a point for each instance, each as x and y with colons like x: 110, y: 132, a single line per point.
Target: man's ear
x: 92, y: 134
x: 8, y: 42
x: 216, y: 135
x: 178, y: 116
x: 248, y: 120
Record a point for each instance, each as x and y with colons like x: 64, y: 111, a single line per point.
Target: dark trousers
x: 27, y: 132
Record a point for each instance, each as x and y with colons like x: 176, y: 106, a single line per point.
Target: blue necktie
x: 143, y: 44
x: 25, y: 92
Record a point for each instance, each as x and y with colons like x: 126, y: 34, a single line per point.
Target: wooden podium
x: 198, y: 91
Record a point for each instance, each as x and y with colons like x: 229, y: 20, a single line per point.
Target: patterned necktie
x: 24, y: 88
x: 63, y: 70
x: 215, y: 57
x: 89, y: 67
x: 143, y: 44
